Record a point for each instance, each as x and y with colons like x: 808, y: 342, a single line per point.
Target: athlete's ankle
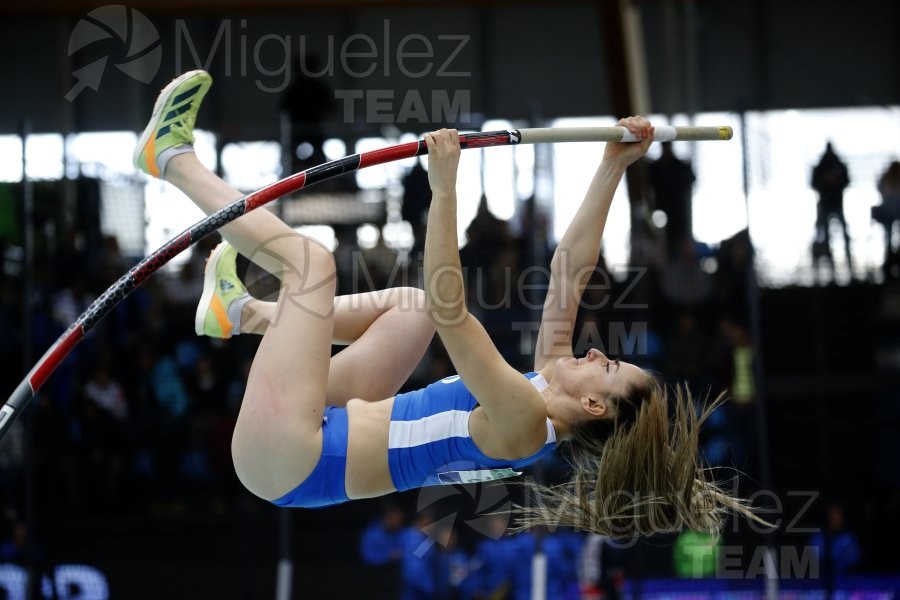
x: 177, y: 166
x: 235, y: 312
x: 255, y: 317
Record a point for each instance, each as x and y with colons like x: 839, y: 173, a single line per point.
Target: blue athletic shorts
x: 325, y: 485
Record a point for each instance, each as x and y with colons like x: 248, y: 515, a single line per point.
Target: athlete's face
x: 595, y: 374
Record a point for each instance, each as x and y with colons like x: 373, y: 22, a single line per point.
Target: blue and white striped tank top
x: 429, y: 441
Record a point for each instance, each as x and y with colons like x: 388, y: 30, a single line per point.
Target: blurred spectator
x: 54, y: 452
x: 110, y: 263
x: 838, y: 541
x: 494, y: 561
x: 672, y: 181
x: 206, y: 386
x: 882, y: 530
x: 18, y: 548
x: 106, y: 393
x: 14, y: 548
x: 353, y: 276
x: 68, y: 303
x: 646, y: 250
x: 733, y: 369
x: 520, y: 555
x: 735, y: 354
x: 502, y: 567
x: 486, y: 237
x: 416, y: 198
x: 491, y: 266
x: 684, y: 284
x: 590, y: 567
x: 307, y: 102
x: 169, y: 389
x: 101, y: 457
x: 453, y: 566
x: 172, y: 405
x: 600, y: 572
x: 734, y: 268
x: 830, y: 179
x: 888, y: 213
x: 688, y: 352
x: 381, y: 541
x: 563, y: 551
x: 506, y: 565
x: 380, y: 264
x: 419, y: 561
x: 184, y: 287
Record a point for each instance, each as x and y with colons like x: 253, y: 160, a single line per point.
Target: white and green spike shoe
x: 224, y: 295
x: 171, y: 127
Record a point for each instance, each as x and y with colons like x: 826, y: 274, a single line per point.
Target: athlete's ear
x: 594, y: 405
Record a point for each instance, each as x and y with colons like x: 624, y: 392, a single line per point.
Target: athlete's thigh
x: 354, y: 313
x: 391, y: 332
x: 277, y: 437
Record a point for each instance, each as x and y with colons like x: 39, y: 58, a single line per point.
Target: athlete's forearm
x: 444, y: 289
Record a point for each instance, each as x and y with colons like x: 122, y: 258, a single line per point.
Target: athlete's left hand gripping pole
x: 102, y: 306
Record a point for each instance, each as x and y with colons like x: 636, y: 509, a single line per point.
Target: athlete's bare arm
x: 506, y: 397
x: 579, y: 249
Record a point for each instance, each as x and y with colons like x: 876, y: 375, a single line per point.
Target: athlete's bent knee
x: 301, y: 256
x: 320, y: 257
